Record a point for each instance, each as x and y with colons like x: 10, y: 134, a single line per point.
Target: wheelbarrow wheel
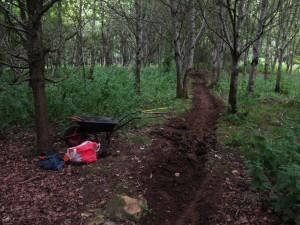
x: 74, y: 136
x: 104, y: 139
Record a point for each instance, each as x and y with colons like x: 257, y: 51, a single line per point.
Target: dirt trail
x: 176, y: 175
x: 189, y: 180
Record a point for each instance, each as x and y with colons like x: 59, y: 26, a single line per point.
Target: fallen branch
x: 30, y: 180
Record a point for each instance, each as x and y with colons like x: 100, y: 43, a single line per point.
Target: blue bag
x: 52, y: 162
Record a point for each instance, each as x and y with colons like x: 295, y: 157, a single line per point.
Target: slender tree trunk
x: 245, y: 60
x: 60, y: 37
x: 93, y: 47
x: 190, y: 49
x: 292, y: 55
x: 106, y: 47
x: 267, y: 57
x: 253, y: 71
x: 256, y: 47
x: 124, y: 51
x: 79, y: 37
x: 279, y: 71
x: 232, y: 100
x: 177, y: 50
x: 274, y: 62
x: 138, y: 42
x: 276, y: 55
x: 291, y: 64
x: 217, y: 59
x: 287, y: 63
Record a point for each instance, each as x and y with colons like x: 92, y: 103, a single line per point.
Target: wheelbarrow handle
x: 125, y: 123
x: 128, y: 115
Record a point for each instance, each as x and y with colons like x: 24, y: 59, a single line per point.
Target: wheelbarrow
x: 91, y: 127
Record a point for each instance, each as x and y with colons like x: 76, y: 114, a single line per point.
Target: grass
x: 110, y: 93
x: 264, y: 112
x: 267, y: 130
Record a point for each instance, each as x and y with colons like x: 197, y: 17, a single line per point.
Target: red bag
x: 86, y: 152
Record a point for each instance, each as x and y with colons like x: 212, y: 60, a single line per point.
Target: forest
x: 192, y: 109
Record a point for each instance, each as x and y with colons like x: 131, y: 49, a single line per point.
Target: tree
x: 229, y: 25
x: 288, y: 30
x: 27, y: 24
x: 94, y: 39
x: 133, y: 13
x: 257, y: 45
x: 267, y: 56
x: 184, y: 38
x: 138, y: 41
x: 217, y: 58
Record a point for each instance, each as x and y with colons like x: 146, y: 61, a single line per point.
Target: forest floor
x: 184, y: 174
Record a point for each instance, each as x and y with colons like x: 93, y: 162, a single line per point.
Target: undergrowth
x: 110, y: 93
x: 267, y: 129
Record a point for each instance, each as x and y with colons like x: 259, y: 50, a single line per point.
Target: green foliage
x: 275, y: 167
x: 267, y: 129
x: 110, y: 93
x: 236, y: 139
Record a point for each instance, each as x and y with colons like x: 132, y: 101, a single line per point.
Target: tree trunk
x: 276, y: 55
x: 232, y: 100
x: 190, y: 49
x: 79, y: 39
x: 253, y: 71
x: 94, y: 44
x: 217, y: 61
x: 279, y: 72
x: 60, y: 37
x: 124, y: 51
x: 177, y: 51
x: 256, y: 47
x: 138, y: 42
x: 287, y: 63
x: 245, y: 62
x: 292, y: 55
x: 291, y: 64
x: 267, y: 57
x: 106, y: 47
x: 36, y: 58
x: 274, y: 62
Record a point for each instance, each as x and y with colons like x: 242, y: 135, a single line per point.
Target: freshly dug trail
x: 190, y: 179
x: 174, y: 177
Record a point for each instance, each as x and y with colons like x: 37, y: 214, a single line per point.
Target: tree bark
x: 279, y: 71
x: 93, y: 47
x: 190, y: 49
x: 292, y: 55
x: 106, y: 47
x: 232, y: 100
x: 184, y: 50
x: 36, y: 57
x: 60, y: 37
x: 217, y: 61
x: 267, y: 57
x: 276, y: 55
x: 177, y: 50
x: 124, y: 51
x: 79, y: 40
x: 138, y: 42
